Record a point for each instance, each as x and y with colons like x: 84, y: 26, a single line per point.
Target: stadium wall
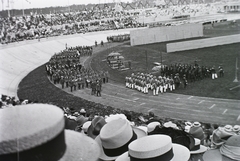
x: 202, y: 43
x: 162, y: 34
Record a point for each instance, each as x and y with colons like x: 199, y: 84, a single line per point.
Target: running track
x: 18, y: 59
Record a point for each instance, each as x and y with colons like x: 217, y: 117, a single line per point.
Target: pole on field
x: 236, y: 71
x: 146, y: 61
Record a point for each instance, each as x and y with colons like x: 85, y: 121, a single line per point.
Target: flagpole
x: 22, y: 8
x: 236, y: 71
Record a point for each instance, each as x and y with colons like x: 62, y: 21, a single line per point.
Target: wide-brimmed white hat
x: 198, y: 148
x: 37, y: 133
x: 159, y: 147
x: 115, y: 137
x: 151, y: 126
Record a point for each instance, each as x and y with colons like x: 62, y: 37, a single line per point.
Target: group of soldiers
x: 65, y: 69
x: 192, y: 72
x: 82, y: 50
x: 143, y: 82
x: 171, y: 77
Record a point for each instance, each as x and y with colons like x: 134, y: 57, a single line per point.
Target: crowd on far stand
x: 65, y: 68
x: 171, y: 77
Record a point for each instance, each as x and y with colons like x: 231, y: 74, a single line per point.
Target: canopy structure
x: 114, y: 54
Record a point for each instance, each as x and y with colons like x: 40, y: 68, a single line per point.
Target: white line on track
x: 190, y: 97
x: 212, y: 106
x: 224, y: 111
x: 201, y: 102
x: 238, y: 118
x: 234, y: 87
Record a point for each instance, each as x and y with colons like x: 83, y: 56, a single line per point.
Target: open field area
x: 36, y: 86
x: 142, y: 59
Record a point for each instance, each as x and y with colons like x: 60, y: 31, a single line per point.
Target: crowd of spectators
x: 198, y: 139
x: 36, y: 26
x: 8, y: 101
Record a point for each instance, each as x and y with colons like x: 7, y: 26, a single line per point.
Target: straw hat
x: 85, y: 126
x: 37, y: 133
x: 157, y: 147
x: 229, y: 151
x: 198, y: 148
x: 82, y: 111
x: 170, y: 124
x: 144, y: 128
x: 115, y: 117
x: 196, y: 124
x: 228, y: 128
x: 151, y: 126
x: 115, y: 137
x: 236, y: 128
x: 95, y: 127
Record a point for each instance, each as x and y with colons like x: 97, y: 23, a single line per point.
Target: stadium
x: 164, y: 69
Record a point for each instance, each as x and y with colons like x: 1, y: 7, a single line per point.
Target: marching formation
x: 171, y: 77
x: 65, y: 68
x: 145, y: 82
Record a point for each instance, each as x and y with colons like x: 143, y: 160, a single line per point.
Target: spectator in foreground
x: 44, y: 138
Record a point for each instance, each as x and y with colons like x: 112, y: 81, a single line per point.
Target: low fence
x: 202, y: 43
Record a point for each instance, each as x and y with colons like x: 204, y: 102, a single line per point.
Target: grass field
x: 142, y: 58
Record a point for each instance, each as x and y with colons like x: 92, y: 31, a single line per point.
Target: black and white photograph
x: 119, y: 80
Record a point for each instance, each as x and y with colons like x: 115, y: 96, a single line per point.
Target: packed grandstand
x: 99, y: 132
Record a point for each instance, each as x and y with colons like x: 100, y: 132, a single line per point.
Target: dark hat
x: 95, y: 127
x: 37, y: 133
x: 197, y: 132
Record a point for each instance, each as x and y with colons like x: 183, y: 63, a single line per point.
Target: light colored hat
x: 115, y: 137
x: 85, y: 126
x: 188, y: 123
x: 95, y: 127
x: 220, y: 135
x: 159, y: 147
x: 37, y: 133
x: 196, y: 124
x: 115, y: 117
x: 82, y: 110
x: 151, y: 126
x: 228, y: 128
x: 236, y: 128
x: 187, y: 128
x: 170, y: 124
x: 198, y: 148
x: 144, y: 128
x: 229, y: 151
